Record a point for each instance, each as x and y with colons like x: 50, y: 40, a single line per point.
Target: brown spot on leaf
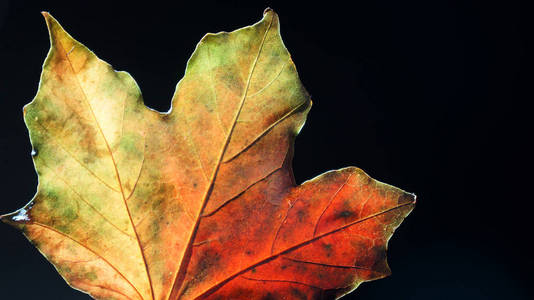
x: 345, y: 214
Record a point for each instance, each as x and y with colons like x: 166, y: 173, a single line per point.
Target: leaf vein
x: 282, y: 281
x: 326, y: 265
x: 241, y: 193
x: 266, y: 130
x: 270, y: 82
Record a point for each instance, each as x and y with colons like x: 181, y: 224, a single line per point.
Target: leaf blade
x: 196, y: 202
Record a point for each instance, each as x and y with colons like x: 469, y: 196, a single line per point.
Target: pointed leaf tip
x: 411, y: 198
x: 55, y: 30
x: 16, y: 219
x: 49, y: 20
x: 47, y: 17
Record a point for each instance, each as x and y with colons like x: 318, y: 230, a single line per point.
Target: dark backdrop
x: 429, y: 96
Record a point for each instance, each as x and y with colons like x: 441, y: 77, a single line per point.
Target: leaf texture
x: 199, y: 202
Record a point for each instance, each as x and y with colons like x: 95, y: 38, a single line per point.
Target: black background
x: 429, y: 96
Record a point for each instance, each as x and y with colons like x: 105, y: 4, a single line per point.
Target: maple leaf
x: 199, y: 202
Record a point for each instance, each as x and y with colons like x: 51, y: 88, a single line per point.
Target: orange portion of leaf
x: 199, y: 202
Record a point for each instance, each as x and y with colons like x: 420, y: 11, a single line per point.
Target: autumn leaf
x: 199, y: 202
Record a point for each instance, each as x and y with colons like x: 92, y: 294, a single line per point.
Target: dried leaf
x: 199, y: 202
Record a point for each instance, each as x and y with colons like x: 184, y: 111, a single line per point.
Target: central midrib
x: 180, y: 274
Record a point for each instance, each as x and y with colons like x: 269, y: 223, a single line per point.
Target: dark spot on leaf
x: 269, y: 296
x: 300, y: 214
x: 91, y: 276
x: 328, y: 249
x: 298, y: 294
x: 212, y: 227
x: 345, y: 214
x: 301, y: 268
x: 154, y: 227
x: 208, y: 260
x: 157, y: 203
x: 70, y: 214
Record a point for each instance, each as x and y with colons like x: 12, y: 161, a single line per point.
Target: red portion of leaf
x: 329, y: 233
